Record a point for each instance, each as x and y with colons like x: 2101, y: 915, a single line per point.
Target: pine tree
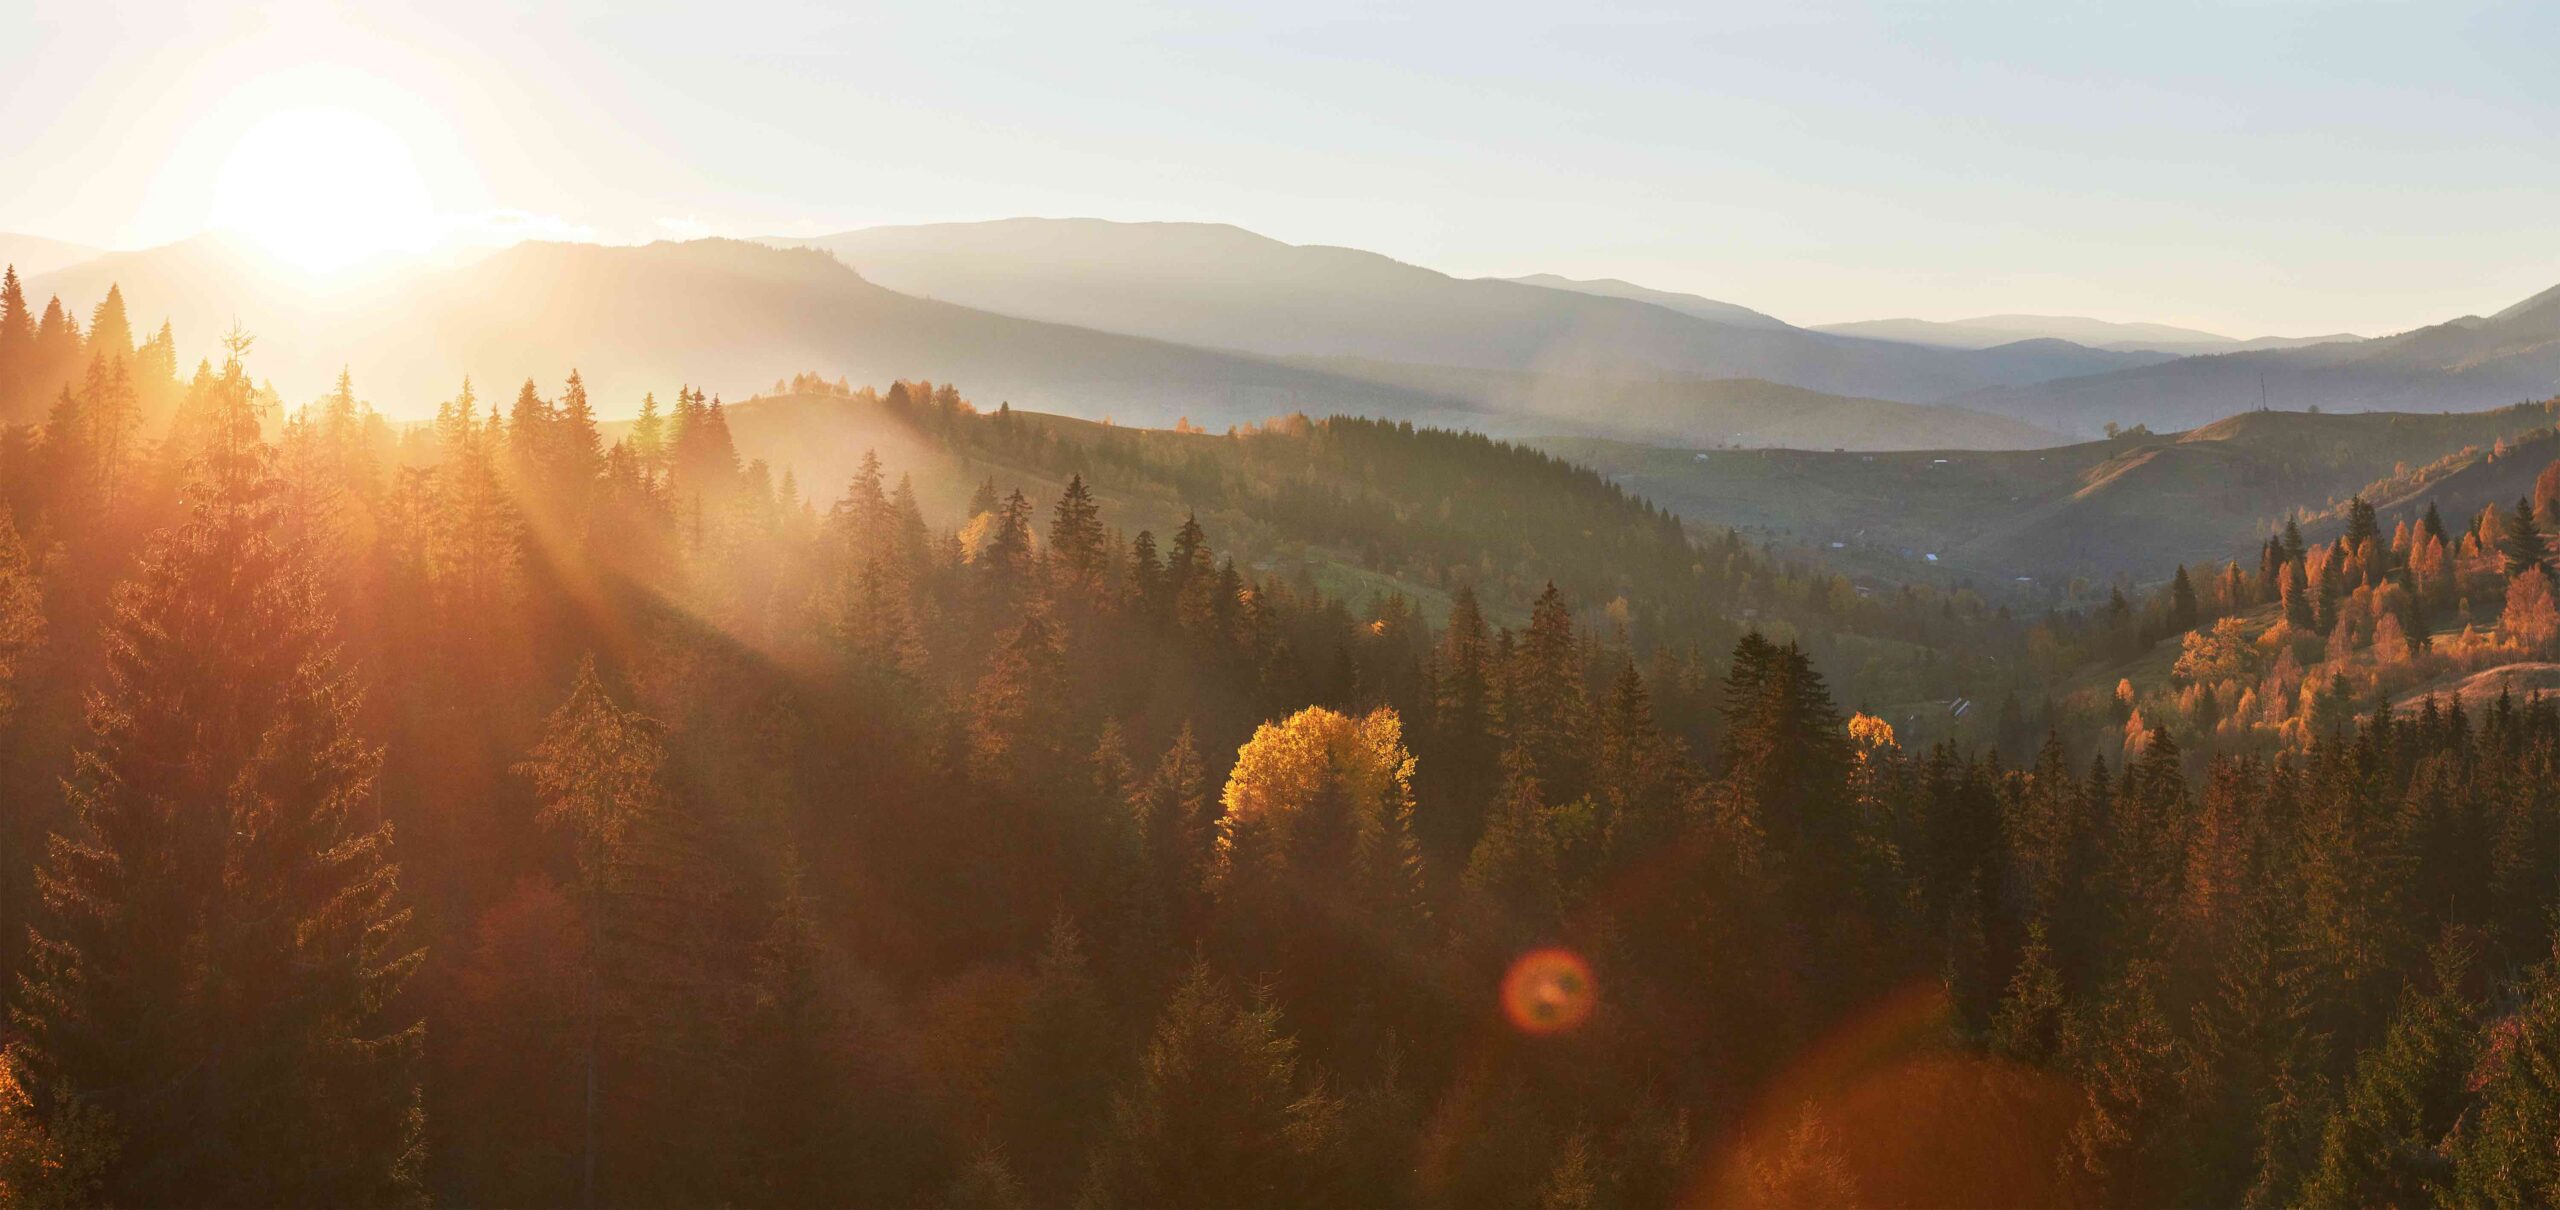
x: 2520, y: 542
x: 2382, y: 1146
x: 220, y: 950
x: 1218, y: 1115
x: 1460, y: 740
x: 1055, y: 1084
x: 597, y: 774
x: 648, y: 438
x: 2362, y: 525
x: 2028, y: 1025
x: 1546, y: 713
x: 21, y: 614
x: 1512, y: 884
x: 56, y: 357
x: 1177, y: 822
x: 577, y: 447
x: 1146, y: 577
x: 2503, y: 1154
x: 799, y: 1134
x: 1018, y: 719
x: 110, y: 331
x: 2182, y: 601
x: 17, y: 346
x: 1075, y: 535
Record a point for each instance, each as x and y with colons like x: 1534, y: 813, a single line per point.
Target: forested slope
x: 1041, y: 812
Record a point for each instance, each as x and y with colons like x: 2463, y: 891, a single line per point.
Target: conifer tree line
x: 491, y: 811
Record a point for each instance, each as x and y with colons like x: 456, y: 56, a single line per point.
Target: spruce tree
x: 1075, y: 535
x: 21, y: 613
x: 597, y: 774
x: 17, y: 347
x: 110, y: 332
x: 220, y: 946
x: 1460, y: 745
x: 2520, y: 542
x: 2383, y: 1145
x: 1218, y: 1114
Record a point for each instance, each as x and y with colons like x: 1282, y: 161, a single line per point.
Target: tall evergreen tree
x: 1219, y: 1115
x: 1075, y: 534
x: 2520, y: 542
x: 220, y: 950
x: 17, y: 346
x: 598, y: 774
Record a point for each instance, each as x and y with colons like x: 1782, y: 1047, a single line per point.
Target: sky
x: 2286, y: 168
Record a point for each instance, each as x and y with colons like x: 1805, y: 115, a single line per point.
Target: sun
x: 324, y: 188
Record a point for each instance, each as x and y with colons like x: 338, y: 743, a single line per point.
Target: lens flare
x: 1549, y: 991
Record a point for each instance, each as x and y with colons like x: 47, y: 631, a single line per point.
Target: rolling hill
x: 1223, y: 287
x: 2462, y: 364
x: 2134, y: 506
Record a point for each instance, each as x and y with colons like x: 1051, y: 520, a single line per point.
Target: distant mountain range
x: 735, y: 316
x: 1987, y: 331
x: 1224, y: 287
x: 719, y: 313
x: 1147, y: 322
x: 2465, y: 364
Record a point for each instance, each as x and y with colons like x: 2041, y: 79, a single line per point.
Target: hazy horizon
x: 2273, y: 171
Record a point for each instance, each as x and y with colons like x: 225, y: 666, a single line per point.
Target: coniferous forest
x: 525, y: 808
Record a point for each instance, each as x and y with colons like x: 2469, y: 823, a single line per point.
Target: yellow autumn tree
x: 1318, y: 875
x: 2530, y: 621
x: 1323, y: 793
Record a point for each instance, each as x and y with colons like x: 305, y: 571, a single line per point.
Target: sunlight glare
x: 323, y: 189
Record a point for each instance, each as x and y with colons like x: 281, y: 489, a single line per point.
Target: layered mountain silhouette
x: 1225, y: 287
x: 1150, y: 322
x: 2465, y: 364
x: 735, y: 316
x: 1988, y: 331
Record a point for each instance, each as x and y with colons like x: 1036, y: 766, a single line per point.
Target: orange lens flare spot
x: 1549, y: 991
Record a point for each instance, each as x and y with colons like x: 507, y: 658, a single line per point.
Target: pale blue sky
x: 2282, y: 168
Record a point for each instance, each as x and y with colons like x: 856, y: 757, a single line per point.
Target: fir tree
x: 2182, y: 601
x: 17, y: 345
x: 1075, y: 534
x: 216, y: 969
x: 22, y: 626
x: 2383, y: 1145
x: 2520, y: 542
x: 597, y: 774
x: 1218, y: 1115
